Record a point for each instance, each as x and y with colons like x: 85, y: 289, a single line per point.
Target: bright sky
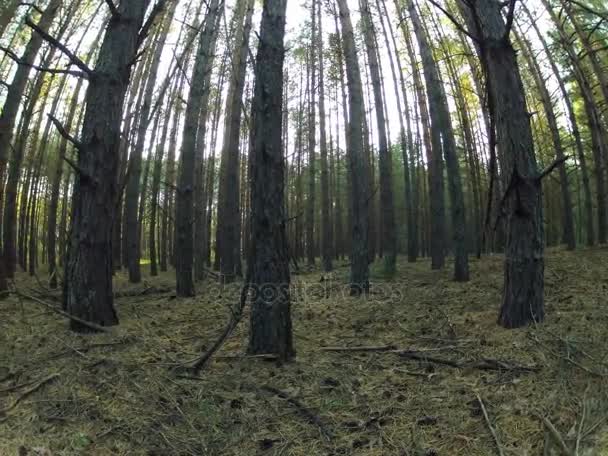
x: 297, y: 15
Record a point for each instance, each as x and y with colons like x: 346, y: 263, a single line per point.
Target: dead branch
x: 454, y: 21
x: 235, y: 318
x: 54, y: 42
x: 15, y: 58
x: 379, y: 348
x: 145, y: 291
x: 422, y: 355
x: 556, y: 435
x: 156, y: 10
x: 32, y: 5
x: 489, y: 424
x: 88, y: 324
x: 549, y: 169
x: 302, y: 409
x: 27, y: 392
x: 113, y: 9
x: 63, y: 132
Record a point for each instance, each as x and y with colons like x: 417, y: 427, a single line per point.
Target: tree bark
x: 326, y: 220
x: 598, y: 144
x: 359, y: 174
x: 388, y: 229
x: 270, y: 323
x: 228, y: 237
x: 133, y: 188
x: 442, y: 138
x: 523, y: 294
x: 184, y: 214
x: 13, y: 100
x: 588, y: 205
x: 568, y: 233
x: 88, y: 290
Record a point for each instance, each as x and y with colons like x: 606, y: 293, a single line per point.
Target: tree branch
x: 14, y: 57
x: 63, y: 132
x: 510, y: 16
x: 31, y: 5
x: 53, y: 41
x: 602, y: 14
x: 457, y: 24
x: 113, y: 9
x: 143, y: 33
x: 549, y: 169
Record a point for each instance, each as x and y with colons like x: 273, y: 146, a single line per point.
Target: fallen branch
x: 380, y: 348
x: 490, y: 427
x: 27, y: 392
x: 302, y: 409
x: 422, y: 355
x: 145, y: 291
x: 235, y: 318
x: 556, y: 435
x: 88, y: 324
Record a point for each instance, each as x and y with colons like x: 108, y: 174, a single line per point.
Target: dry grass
x: 117, y: 394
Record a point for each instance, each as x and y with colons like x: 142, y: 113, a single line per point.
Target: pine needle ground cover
x: 418, y: 368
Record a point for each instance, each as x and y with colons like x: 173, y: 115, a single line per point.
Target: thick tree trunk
x: 55, y: 186
x: 522, y: 302
x: 88, y: 291
x: 360, y: 196
x: 270, y: 327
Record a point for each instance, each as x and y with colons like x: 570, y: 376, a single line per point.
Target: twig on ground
x: 302, y: 409
x: 489, y: 424
x: 88, y: 324
x: 235, y: 318
x: 27, y: 392
x: 422, y: 355
x: 556, y: 435
x: 372, y: 348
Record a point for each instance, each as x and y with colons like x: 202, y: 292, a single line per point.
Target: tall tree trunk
x: 523, y: 292
x: 228, y: 237
x: 588, y: 205
x: 326, y: 221
x: 442, y: 137
x: 13, y: 101
x: 184, y: 214
x: 312, y: 82
x: 568, y: 234
x: 133, y: 189
x: 270, y: 327
x: 387, y: 208
x: 435, y: 167
x: 359, y: 195
x: 88, y: 290
x: 405, y: 135
x: 598, y: 144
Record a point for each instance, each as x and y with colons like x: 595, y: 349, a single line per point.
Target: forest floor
x: 436, y: 352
